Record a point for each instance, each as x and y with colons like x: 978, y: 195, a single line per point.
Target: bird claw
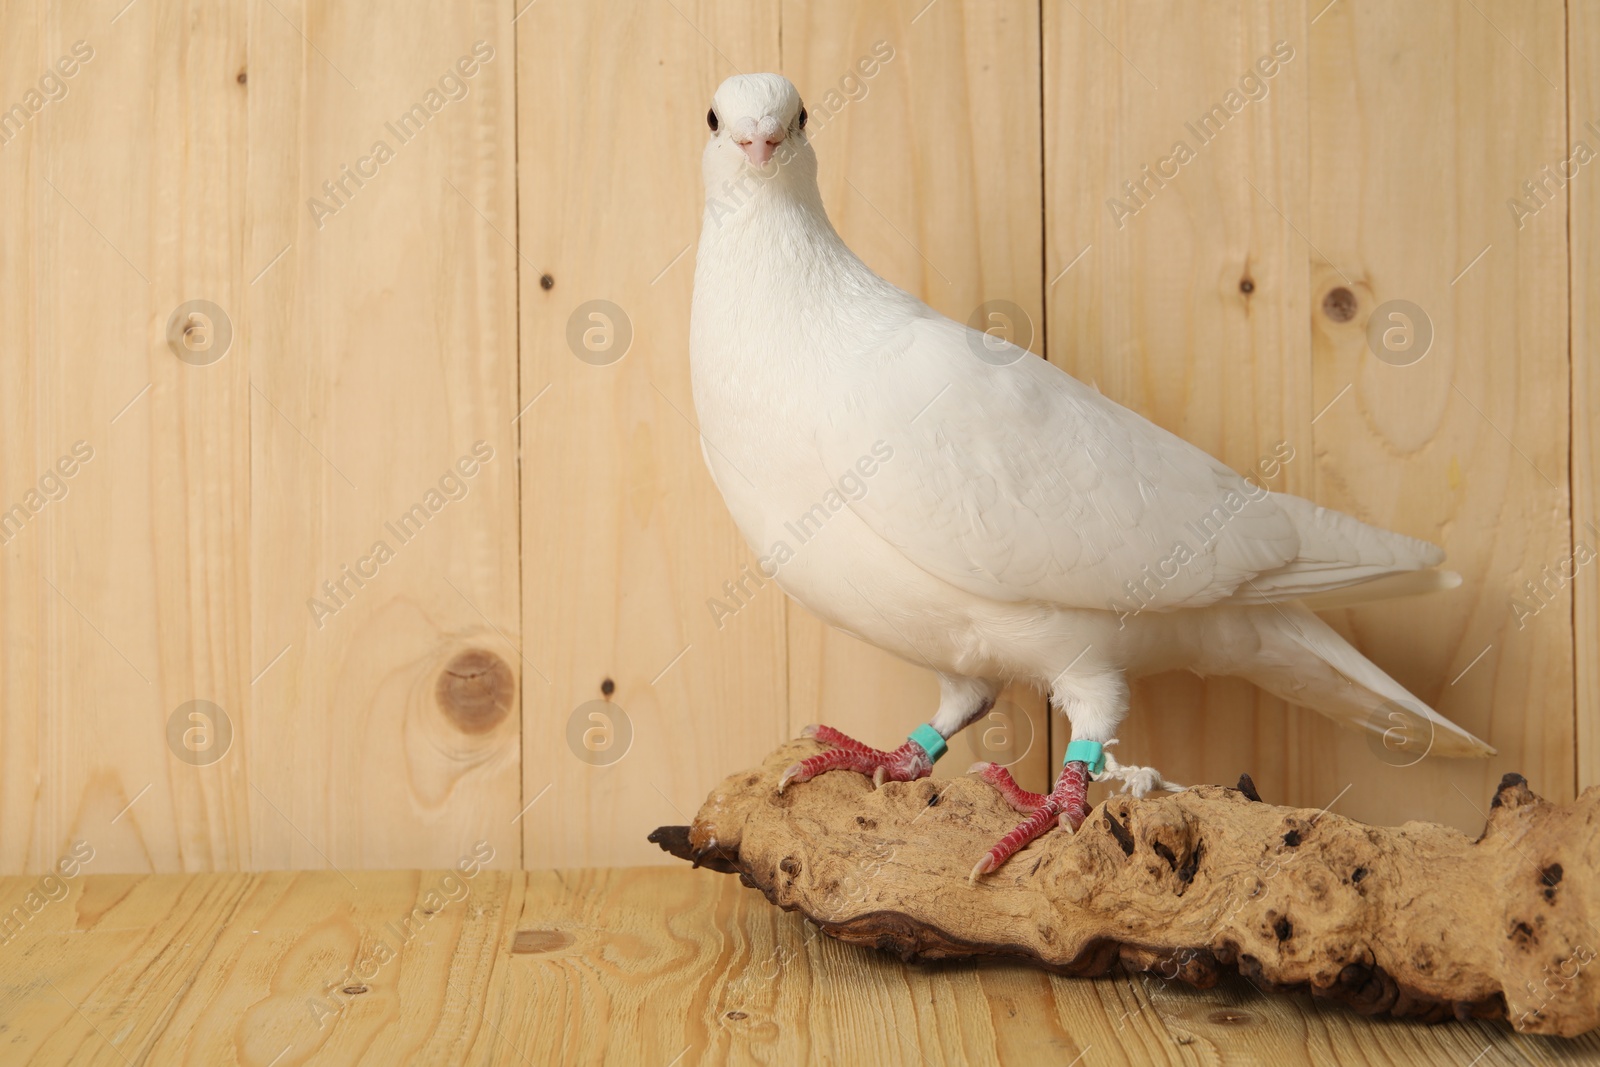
x: 1066, y: 806
x: 906, y: 763
x: 1019, y: 798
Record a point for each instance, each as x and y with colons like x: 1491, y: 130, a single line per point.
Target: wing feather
x: 1019, y: 482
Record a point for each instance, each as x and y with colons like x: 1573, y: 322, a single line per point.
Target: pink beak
x: 759, y: 150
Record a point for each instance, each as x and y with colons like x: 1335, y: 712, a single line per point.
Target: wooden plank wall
x: 127, y: 593
x: 1374, y: 166
x: 1583, y: 124
x: 1468, y: 448
x: 383, y: 353
x: 534, y: 663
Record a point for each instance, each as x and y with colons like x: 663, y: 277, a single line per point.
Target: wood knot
x: 1246, y: 286
x: 546, y: 282
x: 1339, y: 304
x: 529, y: 941
x: 475, y: 691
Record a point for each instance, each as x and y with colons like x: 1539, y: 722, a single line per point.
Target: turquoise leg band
x: 1090, y: 752
x: 931, y: 742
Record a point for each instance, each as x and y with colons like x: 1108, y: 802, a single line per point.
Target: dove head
x: 758, y: 131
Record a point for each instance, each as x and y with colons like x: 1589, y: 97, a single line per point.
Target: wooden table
x: 655, y: 966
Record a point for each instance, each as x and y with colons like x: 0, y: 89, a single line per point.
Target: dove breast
x: 959, y: 514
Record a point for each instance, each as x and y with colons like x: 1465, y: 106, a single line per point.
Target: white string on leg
x: 1139, y: 781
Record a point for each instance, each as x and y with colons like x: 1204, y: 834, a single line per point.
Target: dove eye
x: 802, y: 116
x: 711, y: 119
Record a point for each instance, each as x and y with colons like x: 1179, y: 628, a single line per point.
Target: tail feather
x: 1304, y: 660
x: 1336, y: 551
x: 1407, y: 583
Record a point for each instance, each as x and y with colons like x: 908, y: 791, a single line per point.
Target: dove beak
x: 759, y: 140
x: 758, y: 151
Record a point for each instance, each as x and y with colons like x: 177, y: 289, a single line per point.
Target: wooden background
x: 373, y: 346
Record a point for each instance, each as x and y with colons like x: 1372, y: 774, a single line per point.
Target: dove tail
x: 1406, y: 583
x: 1304, y: 660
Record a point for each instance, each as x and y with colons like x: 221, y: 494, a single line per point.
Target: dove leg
x: 961, y: 702
x: 1019, y: 798
x: 1095, y: 704
x: 1067, y: 805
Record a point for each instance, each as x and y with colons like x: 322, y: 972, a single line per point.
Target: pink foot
x: 1067, y: 804
x: 906, y: 763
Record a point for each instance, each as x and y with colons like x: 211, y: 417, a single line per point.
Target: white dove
x: 972, y: 508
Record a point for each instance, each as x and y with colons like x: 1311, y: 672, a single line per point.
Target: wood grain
x: 625, y: 538
x: 129, y: 595
x: 1449, y: 449
x: 657, y: 964
x: 24, y: 454
x: 1466, y: 446
x: 382, y: 350
x: 1583, y: 118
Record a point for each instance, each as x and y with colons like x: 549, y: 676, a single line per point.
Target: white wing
x: 1019, y: 482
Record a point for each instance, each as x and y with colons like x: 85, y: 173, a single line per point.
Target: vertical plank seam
x: 1293, y: 730
x: 1044, y: 317
x: 516, y: 267
x: 785, y: 637
x: 1579, y: 735
x: 245, y: 855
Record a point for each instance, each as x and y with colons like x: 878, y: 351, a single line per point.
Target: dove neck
x: 779, y: 233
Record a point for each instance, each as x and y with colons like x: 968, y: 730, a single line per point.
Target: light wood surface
x: 382, y: 348
x: 373, y: 346
x: 1583, y: 124
x: 1460, y: 447
x: 130, y: 595
x: 1377, y: 163
x: 625, y: 537
x: 616, y: 966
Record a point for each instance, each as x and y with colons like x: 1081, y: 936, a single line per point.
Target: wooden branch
x: 1417, y: 920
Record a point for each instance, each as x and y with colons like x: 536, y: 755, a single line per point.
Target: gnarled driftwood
x: 1415, y: 920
